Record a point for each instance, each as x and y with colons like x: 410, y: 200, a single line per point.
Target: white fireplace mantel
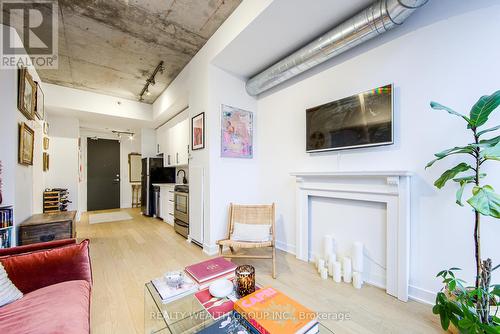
x: 389, y: 187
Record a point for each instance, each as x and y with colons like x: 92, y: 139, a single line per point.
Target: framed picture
x: 45, y: 128
x: 26, y: 143
x: 236, y: 133
x: 45, y: 161
x: 45, y: 143
x: 39, y: 102
x: 26, y: 94
x: 134, y: 167
x: 198, y: 131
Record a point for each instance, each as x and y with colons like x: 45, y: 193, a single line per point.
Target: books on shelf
x: 272, y: 312
x: 169, y: 294
x: 206, y: 272
x: 6, y: 223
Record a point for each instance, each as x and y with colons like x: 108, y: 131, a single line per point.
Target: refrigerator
x: 153, y: 172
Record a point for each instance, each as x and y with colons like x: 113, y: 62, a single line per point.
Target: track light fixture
x: 151, y: 81
x: 127, y: 133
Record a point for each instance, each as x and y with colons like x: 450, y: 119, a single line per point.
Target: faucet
x: 184, y: 180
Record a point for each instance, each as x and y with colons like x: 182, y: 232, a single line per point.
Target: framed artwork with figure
x: 198, y: 131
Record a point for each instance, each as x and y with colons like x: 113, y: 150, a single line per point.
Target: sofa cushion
x: 8, y: 291
x: 35, y: 270
x: 61, y: 308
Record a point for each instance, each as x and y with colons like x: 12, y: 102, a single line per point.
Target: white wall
x: 63, y: 157
x: 194, y: 82
x: 65, y: 98
x: 21, y: 184
x: 441, y: 58
x: 231, y: 179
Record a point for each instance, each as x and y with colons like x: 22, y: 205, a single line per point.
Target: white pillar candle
x: 357, y: 257
x: 332, y: 257
x: 337, y: 271
x: 357, y: 280
x: 321, y: 264
x: 324, y: 273
x: 347, y: 269
x: 327, y: 245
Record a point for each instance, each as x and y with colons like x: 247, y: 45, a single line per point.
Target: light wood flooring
x: 127, y: 254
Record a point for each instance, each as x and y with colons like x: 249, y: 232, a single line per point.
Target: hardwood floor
x: 127, y: 254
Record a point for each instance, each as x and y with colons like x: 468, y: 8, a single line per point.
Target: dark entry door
x: 103, y: 174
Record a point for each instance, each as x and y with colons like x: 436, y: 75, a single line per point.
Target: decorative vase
x: 245, y: 280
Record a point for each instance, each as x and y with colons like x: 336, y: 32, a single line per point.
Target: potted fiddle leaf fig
x: 472, y: 309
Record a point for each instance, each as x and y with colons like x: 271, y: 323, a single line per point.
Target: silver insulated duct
x: 375, y: 20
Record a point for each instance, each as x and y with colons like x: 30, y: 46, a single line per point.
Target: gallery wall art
x: 39, y: 102
x: 236, y: 133
x: 26, y: 94
x: 26, y: 144
x: 198, y: 131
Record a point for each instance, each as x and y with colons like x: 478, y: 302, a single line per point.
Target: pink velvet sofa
x: 55, y: 278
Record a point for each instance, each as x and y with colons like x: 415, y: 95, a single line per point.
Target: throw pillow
x: 251, y: 232
x: 8, y: 291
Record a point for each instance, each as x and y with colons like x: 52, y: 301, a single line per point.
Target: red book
x: 215, y: 307
x: 210, y: 269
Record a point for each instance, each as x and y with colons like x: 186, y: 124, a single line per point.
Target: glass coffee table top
x: 184, y: 315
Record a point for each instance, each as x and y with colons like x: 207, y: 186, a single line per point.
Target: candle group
x: 348, y: 269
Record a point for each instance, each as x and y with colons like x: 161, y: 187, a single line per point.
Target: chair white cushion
x: 8, y: 291
x: 251, y: 232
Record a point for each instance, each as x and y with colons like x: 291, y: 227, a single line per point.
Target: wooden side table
x: 47, y: 227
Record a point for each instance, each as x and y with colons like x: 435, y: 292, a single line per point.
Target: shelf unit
x: 55, y: 200
x: 6, y: 225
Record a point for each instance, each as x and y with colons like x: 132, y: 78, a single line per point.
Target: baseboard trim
x: 421, y: 295
x: 210, y: 250
x: 285, y: 247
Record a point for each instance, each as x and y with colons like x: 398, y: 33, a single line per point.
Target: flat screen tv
x: 361, y: 120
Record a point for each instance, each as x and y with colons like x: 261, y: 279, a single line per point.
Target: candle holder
x: 245, y: 280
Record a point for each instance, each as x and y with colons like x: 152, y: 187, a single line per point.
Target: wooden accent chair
x: 250, y: 214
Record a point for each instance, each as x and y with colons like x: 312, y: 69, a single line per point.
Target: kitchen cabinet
x: 175, y: 143
x: 161, y: 139
x: 167, y: 202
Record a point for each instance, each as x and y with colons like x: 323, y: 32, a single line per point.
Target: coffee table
x: 184, y: 315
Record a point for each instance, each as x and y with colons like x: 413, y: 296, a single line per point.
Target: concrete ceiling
x: 112, y: 46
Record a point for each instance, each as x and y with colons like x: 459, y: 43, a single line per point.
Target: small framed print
x: 45, y: 128
x: 198, y: 131
x: 26, y: 144
x: 26, y: 94
x: 45, y: 161
x: 39, y: 102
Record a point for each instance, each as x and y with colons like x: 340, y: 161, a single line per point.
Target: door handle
x: 116, y: 180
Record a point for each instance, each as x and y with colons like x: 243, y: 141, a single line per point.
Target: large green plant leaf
x: 480, y: 133
x: 438, y: 106
x: 491, y: 153
x: 460, y: 192
x: 485, y: 201
x: 451, y: 173
x: 455, y: 150
x: 483, y: 108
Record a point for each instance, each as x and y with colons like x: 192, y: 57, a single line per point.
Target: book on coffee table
x: 272, y: 312
x: 169, y: 294
x: 211, y: 270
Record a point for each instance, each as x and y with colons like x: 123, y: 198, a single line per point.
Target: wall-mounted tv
x: 361, y: 120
